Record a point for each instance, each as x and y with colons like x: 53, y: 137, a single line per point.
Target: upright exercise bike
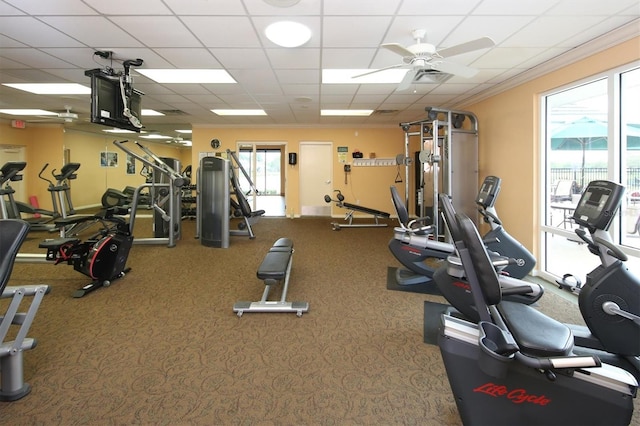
x: 518, y: 366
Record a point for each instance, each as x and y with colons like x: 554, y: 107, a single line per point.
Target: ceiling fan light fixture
x: 288, y: 33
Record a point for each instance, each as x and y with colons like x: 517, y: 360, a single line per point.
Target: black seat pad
x: 57, y: 242
x: 275, y: 263
x: 536, y: 333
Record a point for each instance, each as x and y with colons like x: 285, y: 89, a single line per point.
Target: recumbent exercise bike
x: 519, y: 366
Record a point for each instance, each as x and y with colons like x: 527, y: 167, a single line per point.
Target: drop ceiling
x: 55, y: 41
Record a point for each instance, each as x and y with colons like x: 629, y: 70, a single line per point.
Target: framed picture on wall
x: 131, y: 165
x: 108, y: 159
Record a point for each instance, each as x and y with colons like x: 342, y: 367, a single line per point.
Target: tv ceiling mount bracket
x: 126, y: 87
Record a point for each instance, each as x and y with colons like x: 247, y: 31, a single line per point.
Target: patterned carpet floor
x: 162, y: 346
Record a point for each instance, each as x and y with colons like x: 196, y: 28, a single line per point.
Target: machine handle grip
x: 612, y: 249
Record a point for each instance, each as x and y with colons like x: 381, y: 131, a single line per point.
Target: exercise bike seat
x: 536, y: 334
x: 56, y: 243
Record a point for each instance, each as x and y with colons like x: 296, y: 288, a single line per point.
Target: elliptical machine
x: 102, y: 257
x: 518, y: 366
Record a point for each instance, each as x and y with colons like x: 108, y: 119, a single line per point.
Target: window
x: 591, y: 131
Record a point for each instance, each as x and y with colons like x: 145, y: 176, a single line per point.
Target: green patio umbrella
x: 589, y: 134
x: 585, y: 133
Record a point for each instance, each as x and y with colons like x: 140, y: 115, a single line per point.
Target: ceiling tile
x: 188, y: 57
x: 92, y: 31
x: 57, y: 7
x: 430, y: 8
x: 239, y: 58
x: 201, y: 8
x: 127, y: 7
x: 229, y: 31
x: 34, y: 33
x: 355, y: 7
x: 303, y: 8
x: 511, y: 8
x: 174, y: 33
x: 294, y: 58
x: 338, y: 31
x: 536, y: 34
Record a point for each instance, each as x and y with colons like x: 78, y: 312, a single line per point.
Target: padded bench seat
x: 274, y: 265
x: 275, y: 268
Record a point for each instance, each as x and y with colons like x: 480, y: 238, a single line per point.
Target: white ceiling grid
x: 54, y: 41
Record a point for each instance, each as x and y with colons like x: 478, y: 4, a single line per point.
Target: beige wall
x: 509, y: 140
x: 369, y: 185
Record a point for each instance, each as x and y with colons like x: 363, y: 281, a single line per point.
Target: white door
x: 316, y: 171
x: 14, y: 153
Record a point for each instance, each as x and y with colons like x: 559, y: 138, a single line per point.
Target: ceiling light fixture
x: 155, y: 136
x: 27, y: 112
x: 51, y: 88
x: 238, y: 111
x: 346, y: 112
x: 195, y: 76
x: 116, y: 130
x: 288, y: 33
x: 150, y: 112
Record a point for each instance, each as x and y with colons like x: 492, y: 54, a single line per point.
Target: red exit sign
x: 18, y: 124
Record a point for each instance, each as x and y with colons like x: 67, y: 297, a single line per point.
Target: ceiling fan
x: 65, y: 116
x: 421, y: 58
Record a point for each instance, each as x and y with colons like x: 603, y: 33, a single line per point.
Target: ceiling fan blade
x: 397, y: 48
x: 407, y: 80
x: 378, y: 70
x: 469, y: 46
x: 453, y: 68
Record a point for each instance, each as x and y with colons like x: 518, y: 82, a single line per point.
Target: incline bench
x: 352, y: 208
x: 275, y: 268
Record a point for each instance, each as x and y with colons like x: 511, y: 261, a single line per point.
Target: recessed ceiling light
x: 51, y: 88
x: 156, y: 136
x: 288, y: 33
x: 238, y: 111
x: 346, y: 76
x: 150, y: 112
x: 346, y: 112
x: 115, y: 130
x: 27, y: 112
x: 195, y: 76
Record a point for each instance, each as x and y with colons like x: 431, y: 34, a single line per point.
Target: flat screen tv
x: 107, y: 107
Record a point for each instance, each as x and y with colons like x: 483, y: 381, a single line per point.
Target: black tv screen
x: 107, y: 107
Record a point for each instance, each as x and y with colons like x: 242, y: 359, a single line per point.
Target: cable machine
x: 447, y: 162
x: 166, y: 191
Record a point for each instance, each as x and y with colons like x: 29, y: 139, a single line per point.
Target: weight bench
x: 12, y: 386
x: 352, y: 208
x: 275, y: 268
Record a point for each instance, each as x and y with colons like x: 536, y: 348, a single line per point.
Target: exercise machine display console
x: 489, y: 191
x: 598, y: 205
